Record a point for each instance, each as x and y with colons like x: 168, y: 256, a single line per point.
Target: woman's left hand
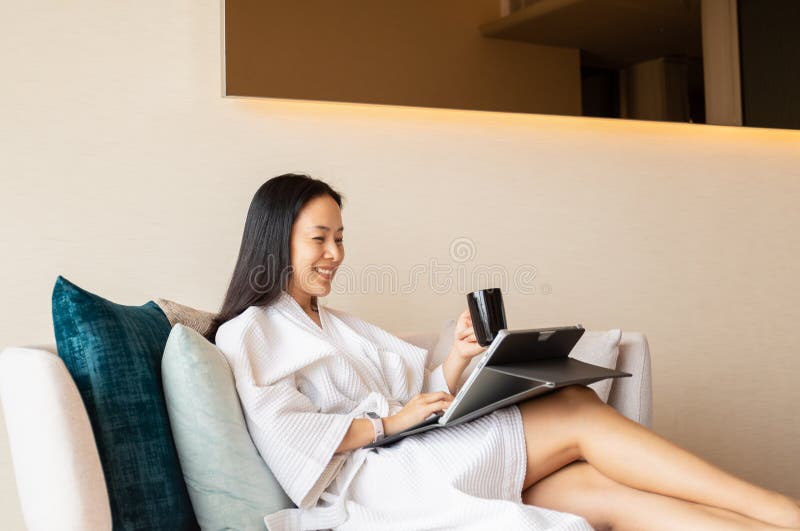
x: 465, y: 346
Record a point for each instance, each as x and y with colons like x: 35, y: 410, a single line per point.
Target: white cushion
x: 598, y: 348
x: 56, y: 464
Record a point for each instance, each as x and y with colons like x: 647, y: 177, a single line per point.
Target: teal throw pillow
x: 113, y: 353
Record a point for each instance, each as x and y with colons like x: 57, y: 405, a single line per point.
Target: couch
x: 56, y: 465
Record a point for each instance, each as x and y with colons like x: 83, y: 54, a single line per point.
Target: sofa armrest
x: 633, y: 396
x: 59, y: 476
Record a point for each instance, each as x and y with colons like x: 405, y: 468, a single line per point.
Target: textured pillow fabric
x: 113, y: 353
x: 58, y: 472
x: 186, y: 315
x: 597, y: 348
x: 229, y: 484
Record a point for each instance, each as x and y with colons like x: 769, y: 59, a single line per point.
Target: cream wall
x: 124, y: 169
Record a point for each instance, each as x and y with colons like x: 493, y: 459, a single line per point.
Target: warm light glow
x: 555, y: 124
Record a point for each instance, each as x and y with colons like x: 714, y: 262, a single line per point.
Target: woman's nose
x: 334, y: 252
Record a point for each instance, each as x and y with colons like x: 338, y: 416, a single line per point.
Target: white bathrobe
x: 301, y: 386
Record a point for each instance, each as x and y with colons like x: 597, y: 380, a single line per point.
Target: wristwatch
x: 377, y: 424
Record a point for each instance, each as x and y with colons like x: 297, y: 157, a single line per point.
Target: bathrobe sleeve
x: 297, y: 441
x: 417, y: 377
x: 404, y: 364
x: 435, y: 381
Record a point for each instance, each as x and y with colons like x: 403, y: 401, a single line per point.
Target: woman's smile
x: 325, y: 273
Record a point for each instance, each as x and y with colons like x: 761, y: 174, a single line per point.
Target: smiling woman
x: 287, y: 238
x: 307, y: 375
x: 317, y: 250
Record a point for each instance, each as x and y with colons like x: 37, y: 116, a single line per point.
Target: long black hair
x: 264, y: 265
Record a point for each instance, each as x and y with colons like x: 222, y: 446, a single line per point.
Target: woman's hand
x: 465, y: 345
x: 416, y: 410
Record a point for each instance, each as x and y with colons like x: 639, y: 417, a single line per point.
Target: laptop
x: 517, y: 365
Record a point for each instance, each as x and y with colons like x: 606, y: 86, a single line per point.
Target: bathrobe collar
x: 291, y: 340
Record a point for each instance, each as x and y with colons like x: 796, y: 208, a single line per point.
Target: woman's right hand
x: 416, y: 410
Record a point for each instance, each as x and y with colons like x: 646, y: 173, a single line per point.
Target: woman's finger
x: 465, y: 332
x: 432, y: 397
x: 436, y: 406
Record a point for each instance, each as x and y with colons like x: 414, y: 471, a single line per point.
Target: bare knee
x: 565, y: 405
x: 567, y: 399
x: 580, y: 403
x: 555, y: 426
x: 570, y: 405
x: 579, y: 394
x: 582, y: 408
x: 577, y: 488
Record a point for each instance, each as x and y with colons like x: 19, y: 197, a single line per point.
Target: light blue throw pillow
x: 229, y: 484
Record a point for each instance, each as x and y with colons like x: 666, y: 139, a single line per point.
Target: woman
x: 306, y: 375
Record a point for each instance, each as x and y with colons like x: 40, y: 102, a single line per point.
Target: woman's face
x: 316, y: 243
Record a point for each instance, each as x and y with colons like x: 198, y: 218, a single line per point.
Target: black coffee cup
x: 488, y: 314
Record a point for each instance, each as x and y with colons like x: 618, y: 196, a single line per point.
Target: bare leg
x: 632, y: 455
x: 579, y: 488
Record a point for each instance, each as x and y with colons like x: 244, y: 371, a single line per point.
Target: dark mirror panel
x: 769, y: 38
x: 727, y: 62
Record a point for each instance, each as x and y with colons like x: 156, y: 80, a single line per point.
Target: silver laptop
x: 518, y: 365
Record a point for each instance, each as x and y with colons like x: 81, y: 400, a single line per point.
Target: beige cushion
x: 198, y: 320
x: 599, y: 348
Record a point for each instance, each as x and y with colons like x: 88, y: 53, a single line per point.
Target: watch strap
x: 377, y: 425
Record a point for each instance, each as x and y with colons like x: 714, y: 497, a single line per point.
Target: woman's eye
x: 322, y: 239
